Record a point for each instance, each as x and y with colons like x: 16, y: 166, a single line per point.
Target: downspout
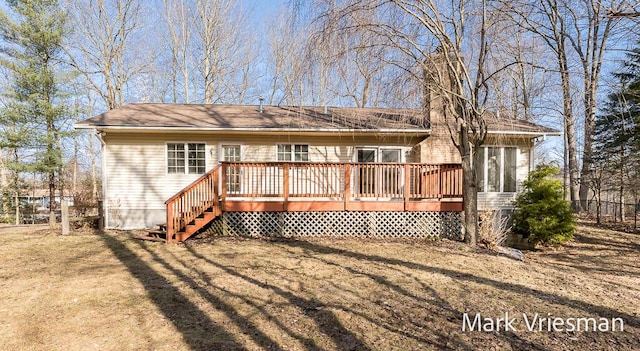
x: 105, y: 204
x: 532, y: 153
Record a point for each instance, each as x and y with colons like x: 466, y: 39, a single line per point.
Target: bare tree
x: 105, y: 47
x: 178, y: 16
x: 221, y: 28
x: 573, y: 31
x: 519, y: 89
x: 448, y: 46
x: 358, y: 61
x: 546, y: 19
x: 590, y: 43
x: 286, y: 61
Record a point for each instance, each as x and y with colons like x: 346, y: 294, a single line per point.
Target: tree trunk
x: 470, y: 196
x: 4, y: 182
x: 587, y: 155
x: 52, y: 198
x: 569, y: 130
x: 74, y: 184
x: 469, y: 188
x: 598, y: 205
x: 622, y: 216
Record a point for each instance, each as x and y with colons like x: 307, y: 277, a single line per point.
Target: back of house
x: 370, y: 155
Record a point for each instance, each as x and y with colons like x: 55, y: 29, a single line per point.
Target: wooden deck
x: 293, y: 186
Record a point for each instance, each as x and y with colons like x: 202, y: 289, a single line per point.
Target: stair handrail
x: 192, y: 200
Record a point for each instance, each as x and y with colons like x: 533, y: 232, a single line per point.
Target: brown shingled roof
x: 511, y: 125
x: 247, y: 117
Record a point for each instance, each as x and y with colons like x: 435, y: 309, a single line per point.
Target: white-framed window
x: 379, y: 154
x: 293, y: 152
x: 186, y: 158
x: 496, y: 169
x: 232, y: 152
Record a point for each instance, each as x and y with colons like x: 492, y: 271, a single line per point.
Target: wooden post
x: 216, y: 199
x: 347, y: 185
x: 65, y: 216
x: 285, y: 185
x: 407, y: 184
x: 223, y: 180
x: 440, y: 181
x: 100, y: 214
x: 17, y: 209
x: 170, y: 228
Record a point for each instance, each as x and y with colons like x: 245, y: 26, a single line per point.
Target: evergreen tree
x: 617, y: 134
x: 542, y: 214
x: 32, y: 33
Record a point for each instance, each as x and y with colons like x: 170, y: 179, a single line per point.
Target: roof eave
x: 523, y: 133
x: 257, y: 130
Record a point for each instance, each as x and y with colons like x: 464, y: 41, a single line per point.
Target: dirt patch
x: 111, y: 292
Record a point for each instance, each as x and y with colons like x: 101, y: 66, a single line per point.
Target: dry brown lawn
x: 95, y: 291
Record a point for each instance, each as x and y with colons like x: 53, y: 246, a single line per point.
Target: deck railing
x: 402, y: 181
x: 283, y: 181
x: 192, y: 201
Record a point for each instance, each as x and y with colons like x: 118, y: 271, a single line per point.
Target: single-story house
x: 298, y: 170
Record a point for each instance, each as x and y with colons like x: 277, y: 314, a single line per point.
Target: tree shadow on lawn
x: 589, y: 308
x: 309, y: 343
x: 439, y: 307
x: 326, y: 321
x: 622, y: 242
x: 198, y: 330
x: 208, y: 334
x: 606, y: 254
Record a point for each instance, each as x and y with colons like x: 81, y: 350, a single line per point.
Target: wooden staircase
x: 190, y: 210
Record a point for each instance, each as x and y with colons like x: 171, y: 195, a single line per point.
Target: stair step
x: 156, y: 232
x: 149, y: 238
x: 196, y: 224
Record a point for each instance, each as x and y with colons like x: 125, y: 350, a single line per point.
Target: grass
x: 107, y: 291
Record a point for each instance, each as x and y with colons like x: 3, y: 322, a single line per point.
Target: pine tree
x: 542, y: 214
x: 617, y: 135
x: 32, y: 33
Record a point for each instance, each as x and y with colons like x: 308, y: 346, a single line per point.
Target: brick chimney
x: 438, y: 147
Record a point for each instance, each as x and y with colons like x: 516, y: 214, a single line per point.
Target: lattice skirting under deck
x: 361, y: 224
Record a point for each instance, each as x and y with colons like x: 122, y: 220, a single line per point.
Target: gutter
x: 105, y: 203
x: 513, y: 132
x: 254, y: 129
x: 293, y: 130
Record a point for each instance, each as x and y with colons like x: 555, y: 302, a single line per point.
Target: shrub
x: 541, y: 213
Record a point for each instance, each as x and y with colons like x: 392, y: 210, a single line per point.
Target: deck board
x: 254, y: 205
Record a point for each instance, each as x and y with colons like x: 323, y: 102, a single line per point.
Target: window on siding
x: 295, y: 152
x: 480, y: 170
x: 509, y: 184
x: 187, y: 158
x: 494, y: 162
x: 496, y: 169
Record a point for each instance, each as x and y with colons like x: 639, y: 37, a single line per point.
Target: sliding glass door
x: 374, y: 180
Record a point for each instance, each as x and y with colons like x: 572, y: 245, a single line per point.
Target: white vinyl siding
x: 136, y: 167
